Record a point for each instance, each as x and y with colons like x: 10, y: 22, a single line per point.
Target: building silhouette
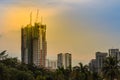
x: 51, y: 64
x: 34, y: 44
x: 64, y: 60
x: 100, y: 57
x: 96, y: 64
x: 114, y: 53
x: 92, y: 65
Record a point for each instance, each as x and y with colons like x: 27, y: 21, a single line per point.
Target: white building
x: 115, y: 53
x: 64, y: 60
x: 100, y: 56
x: 92, y: 65
x: 51, y: 64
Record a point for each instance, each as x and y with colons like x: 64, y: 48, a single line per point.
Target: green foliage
x: 4, y: 75
x: 40, y: 77
x: 12, y: 69
x: 3, y: 55
x: 111, y: 69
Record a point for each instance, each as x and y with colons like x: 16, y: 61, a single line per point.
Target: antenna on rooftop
x: 37, y: 16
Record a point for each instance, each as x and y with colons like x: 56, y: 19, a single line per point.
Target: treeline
x: 12, y: 69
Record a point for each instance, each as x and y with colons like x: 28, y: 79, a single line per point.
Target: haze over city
x: 80, y: 27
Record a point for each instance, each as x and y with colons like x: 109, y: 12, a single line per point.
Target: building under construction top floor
x: 33, y: 44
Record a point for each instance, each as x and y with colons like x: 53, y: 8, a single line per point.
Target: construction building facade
x: 34, y: 44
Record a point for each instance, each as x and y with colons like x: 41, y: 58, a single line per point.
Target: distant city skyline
x: 97, y: 63
x: 80, y: 27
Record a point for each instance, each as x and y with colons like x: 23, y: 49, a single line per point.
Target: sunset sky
x: 80, y: 27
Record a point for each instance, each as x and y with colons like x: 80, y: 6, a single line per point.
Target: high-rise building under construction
x: 33, y: 44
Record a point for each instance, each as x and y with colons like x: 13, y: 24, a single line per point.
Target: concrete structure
x: 64, y: 60
x: 51, y: 64
x: 34, y: 44
x: 96, y: 64
x: 68, y: 60
x: 100, y: 56
x: 60, y: 60
x: 115, y: 53
x: 93, y: 66
x: 47, y: 63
